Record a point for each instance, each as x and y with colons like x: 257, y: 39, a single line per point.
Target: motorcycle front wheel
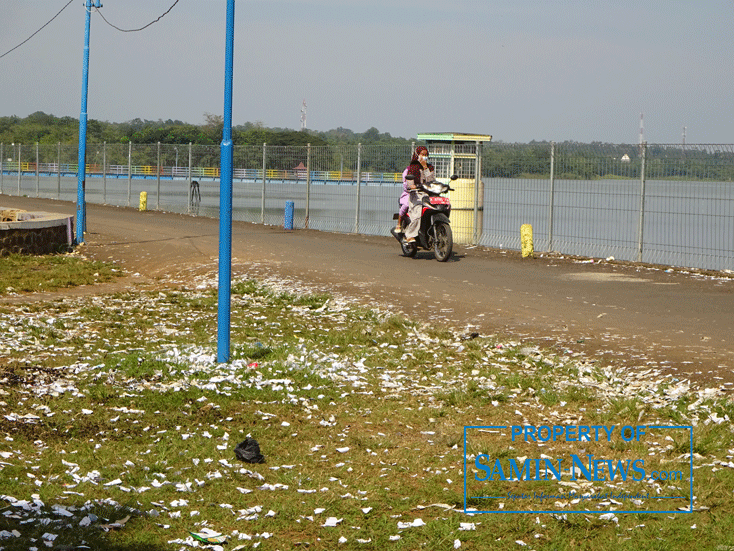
x: 443, y: 241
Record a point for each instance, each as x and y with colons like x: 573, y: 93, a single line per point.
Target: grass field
x: 118, y: 429
x: 28, y: 274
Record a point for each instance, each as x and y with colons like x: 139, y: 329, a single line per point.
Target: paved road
x: 634, y: 315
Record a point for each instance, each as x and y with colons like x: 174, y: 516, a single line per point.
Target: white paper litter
x: 414, y: 524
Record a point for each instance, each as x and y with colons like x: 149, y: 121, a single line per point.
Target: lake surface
x: 683, y: 223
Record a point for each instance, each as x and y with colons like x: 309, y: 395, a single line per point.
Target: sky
x: 520, y: 70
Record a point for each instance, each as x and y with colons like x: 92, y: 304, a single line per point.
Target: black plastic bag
x: 249, y: 451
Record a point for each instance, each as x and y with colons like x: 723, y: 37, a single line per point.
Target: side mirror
x: 454, y: 177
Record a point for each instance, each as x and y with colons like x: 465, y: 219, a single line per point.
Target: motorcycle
x: 435, y: 228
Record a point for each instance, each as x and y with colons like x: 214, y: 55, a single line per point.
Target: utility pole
x: 225, y: 199
x: 81, y: 205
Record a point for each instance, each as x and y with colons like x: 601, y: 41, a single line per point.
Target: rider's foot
x: 410, y: 240
x: 398, y: 229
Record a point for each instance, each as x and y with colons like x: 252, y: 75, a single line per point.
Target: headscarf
x: 418, y: 150
x: 415, y: 167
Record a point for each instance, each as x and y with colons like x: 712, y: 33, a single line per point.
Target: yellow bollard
x: 526, y: 239
x: 143, y: 200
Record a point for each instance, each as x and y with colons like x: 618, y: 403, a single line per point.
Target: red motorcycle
x: 435, y: 228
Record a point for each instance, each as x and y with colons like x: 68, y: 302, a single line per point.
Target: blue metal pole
x: 81, y: 206
x: 225, y: 199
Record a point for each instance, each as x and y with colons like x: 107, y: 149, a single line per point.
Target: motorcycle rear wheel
x: 443, y: 242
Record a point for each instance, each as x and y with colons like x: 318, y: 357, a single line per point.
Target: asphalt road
x: 632, y: 315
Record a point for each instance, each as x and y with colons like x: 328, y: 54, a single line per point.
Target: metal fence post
x: 640, y: 229
x: 20, y: 167
x: 552, y: 195
x: 37, y: 177
x: 359, y: 187
x: 308, y: 183
x: 58, y: 170
x: 129, y: 169
x: 104, y: 172
x: 477, y: 182
x: 262, y: 196
x: 158, y: 179
x: 188, y: 189
x: 2, y: 158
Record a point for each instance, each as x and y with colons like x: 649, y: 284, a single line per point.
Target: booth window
x: 465, y: 168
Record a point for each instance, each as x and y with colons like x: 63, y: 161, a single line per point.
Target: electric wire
x: 141, y: 28
x: 38, y: 31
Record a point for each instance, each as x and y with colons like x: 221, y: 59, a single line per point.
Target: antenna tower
x: 303, y: 116
x: 642, y: 128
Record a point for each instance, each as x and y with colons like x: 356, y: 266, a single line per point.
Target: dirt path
x: 635, y: 315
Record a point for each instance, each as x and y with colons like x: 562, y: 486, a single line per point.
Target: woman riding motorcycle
x: 411, y: 200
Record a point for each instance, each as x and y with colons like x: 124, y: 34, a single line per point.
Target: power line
x: 38, y: 31
x: 141, y: 28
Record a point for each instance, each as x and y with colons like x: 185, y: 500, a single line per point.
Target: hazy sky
x: 520, y: 70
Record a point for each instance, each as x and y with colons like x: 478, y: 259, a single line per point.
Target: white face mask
x: 423, y: 158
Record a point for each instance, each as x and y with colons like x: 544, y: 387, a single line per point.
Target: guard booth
x: 461, y: 154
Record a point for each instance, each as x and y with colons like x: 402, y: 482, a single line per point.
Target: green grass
x: 28, y: 274
x: 356, y: 408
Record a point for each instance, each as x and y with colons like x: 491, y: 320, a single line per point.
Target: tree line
x: 597, y: 160
x: 571, y: 160
x: 43, y: 128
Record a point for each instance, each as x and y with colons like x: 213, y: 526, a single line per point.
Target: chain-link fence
x: 667, y: 204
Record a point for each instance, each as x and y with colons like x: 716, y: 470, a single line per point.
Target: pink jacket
x: 405, y: 196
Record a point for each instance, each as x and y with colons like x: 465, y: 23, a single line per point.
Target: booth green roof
x: 454, y: 137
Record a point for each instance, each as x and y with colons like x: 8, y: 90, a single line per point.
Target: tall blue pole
x: 81, y: 206
x: 225, y: 199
